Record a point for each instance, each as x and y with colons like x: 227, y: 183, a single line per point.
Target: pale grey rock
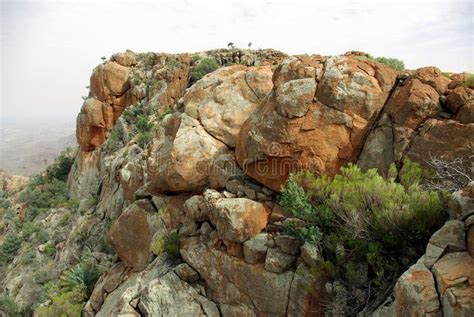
x: 288, y: 244
x: 278, y: 261
x: 311, y: 254
x: 256, y: 248
x: 450, y: 238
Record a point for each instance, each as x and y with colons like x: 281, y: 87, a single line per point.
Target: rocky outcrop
x: 184, y: 157
x: 224, y: 99
x: 155, y: 291
x: 413, y: 124
x: 316, y: 118
x: 279, y: 114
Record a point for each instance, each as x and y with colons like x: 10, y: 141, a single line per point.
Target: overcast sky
x: 48, y: 48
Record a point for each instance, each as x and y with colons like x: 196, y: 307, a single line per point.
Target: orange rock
x: 319, y: 135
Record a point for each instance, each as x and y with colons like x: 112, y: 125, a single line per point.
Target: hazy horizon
x: 49, y: 48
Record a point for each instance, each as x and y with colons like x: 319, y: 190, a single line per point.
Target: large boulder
x: 131, y: 235
x: 184, y: 157
x: 414, y: 294
x: 324, y: 129
x: 224, y: 99
x: 94, y: 120
x: 237, y: 219
x: 109, y: 80
x: 232, y: 281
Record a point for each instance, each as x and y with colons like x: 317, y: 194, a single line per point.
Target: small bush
x: 9, y: 248
x: 143, y: 125
x: 168, y: 244
x: 469, y: 81
x: 81, y: 277
x: 50, y: 250
x: 62, y: 166
x: 8, y: 308
x: 394, y: 63
x: 204, y: 66
x: 64, y: 304
x: 144, y: 138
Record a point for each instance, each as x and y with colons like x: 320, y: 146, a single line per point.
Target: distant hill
x: 28, y: 150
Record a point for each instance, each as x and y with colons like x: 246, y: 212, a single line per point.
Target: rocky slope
x: 164, y: 153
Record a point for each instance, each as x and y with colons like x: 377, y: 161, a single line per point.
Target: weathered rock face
x: 231, y: 281
x: 415, y: 293
x: 444, y: 139
x: 184, y: 157
x: 237, y: 219
x: 156, y: 291
x: 316, y: 119
x: 131, y: 236
x: 224, y: 99
x: 454, y: 278
x: 413, y: 124
x: 280, y: 114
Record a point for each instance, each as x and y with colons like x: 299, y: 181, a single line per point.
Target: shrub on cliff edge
x: 204, y: 66
x: 364, y: 220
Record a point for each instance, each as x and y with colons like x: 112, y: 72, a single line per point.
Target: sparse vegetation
x: 469, y: 81
x: 9, y: 248
x: 394, y: 63
x: 8, y: 308
x: 391, y: 62
x: 69, y: 295
x: 168, y: 244
x: 203, y: 67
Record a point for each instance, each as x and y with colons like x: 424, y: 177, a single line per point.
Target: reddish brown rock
x: 432, y: 76
x: 237, y: 219
x: 458, y: 97
x: 447, y: 140
x: 321, y: 135
x: 108, y: 80
x: 466, y: 113
x: 92, y: 124
x: 412, y: 104
x: 131, y: 235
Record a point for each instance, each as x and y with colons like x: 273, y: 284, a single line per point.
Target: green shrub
x: 143, y: 125
x: 168, y: 244
x: 50, y: 250
x: 28, y: 257
x: 362, y: 217
x: 204, y: 66
x: 144, y: 138
x: 43, y: 193
x: 8, y: 308
x: 62, y: 166
x: 81, y: 277
x: 469, y: 81
x: 64, y: 304
x: 9, y: 248
x: 394, y: 63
